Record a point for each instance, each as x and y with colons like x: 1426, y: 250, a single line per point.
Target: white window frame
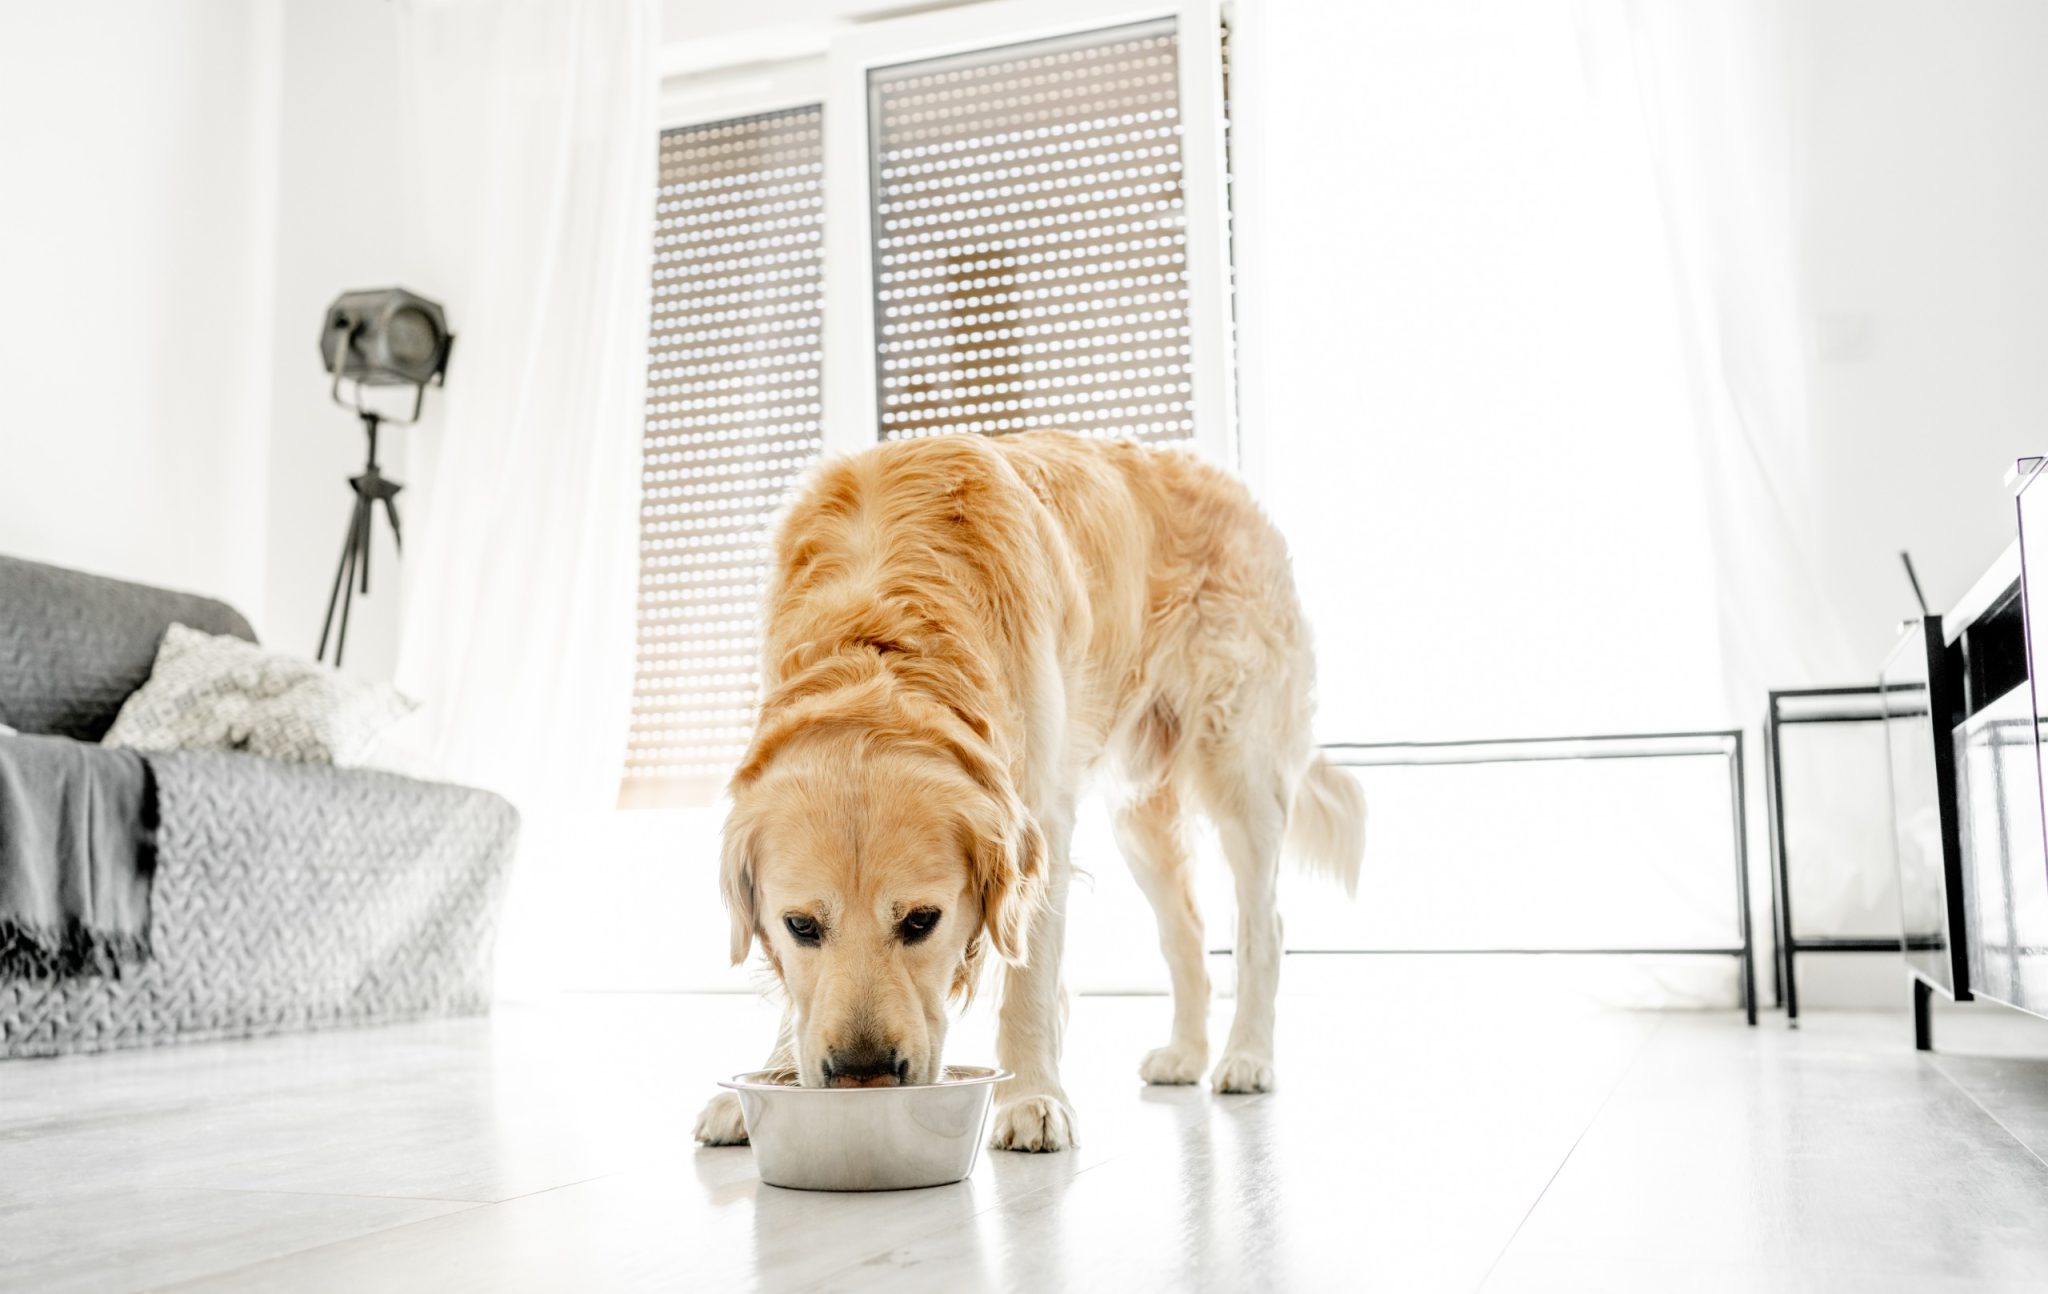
x: 852, y: 413
x: 695, y: 98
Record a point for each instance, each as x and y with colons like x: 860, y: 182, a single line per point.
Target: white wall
x: 1923, y: 188
x: 187, y: 186
x: 137, y: 188
x: 339, y: 227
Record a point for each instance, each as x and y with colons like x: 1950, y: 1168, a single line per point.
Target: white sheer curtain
x: 1712, y: 87
x: 1471, y: 407
x: 532, y: 135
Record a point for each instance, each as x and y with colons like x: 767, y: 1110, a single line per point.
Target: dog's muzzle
x: 866, y: 1065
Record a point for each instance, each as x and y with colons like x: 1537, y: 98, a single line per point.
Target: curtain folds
x: 1713, y: 85
x: 1713, y: 90
x: 530, y: 205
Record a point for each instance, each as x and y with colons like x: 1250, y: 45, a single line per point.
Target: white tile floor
x: 1412, y: 1146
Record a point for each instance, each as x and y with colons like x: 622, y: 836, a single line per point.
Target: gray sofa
x: 284, y: 896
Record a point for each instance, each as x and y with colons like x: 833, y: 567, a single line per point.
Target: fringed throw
x: 77, y: 852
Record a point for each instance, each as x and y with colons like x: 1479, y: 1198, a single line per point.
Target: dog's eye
x: 918, y: 924
x: 803, y: 929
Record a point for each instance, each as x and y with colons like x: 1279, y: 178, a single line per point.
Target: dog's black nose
x: 865, y: 1064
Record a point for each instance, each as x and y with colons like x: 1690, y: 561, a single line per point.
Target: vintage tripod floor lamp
x: 379, y: 337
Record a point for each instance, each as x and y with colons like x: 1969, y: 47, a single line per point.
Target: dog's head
x: 876, y: 872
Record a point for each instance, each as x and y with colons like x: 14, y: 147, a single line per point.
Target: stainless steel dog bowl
x: 867, y: 1138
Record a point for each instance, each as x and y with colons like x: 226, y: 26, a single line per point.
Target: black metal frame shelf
x: 1777, y: 716
x: 1727, y: 743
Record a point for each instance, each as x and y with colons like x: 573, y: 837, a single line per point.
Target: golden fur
x: 959, y: 631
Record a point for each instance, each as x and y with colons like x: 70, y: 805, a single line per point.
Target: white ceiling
x: 699, y: 34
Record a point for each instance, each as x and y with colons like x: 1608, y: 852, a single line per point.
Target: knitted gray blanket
x: 77, y: 851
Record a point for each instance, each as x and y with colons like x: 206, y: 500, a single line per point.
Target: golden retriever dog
x: 961, y: 633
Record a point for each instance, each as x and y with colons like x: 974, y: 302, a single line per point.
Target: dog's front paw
x: 1242, y: 1072
x: 1174, y: 1065
x: 721, y: 1123
x: 1034, y: 1123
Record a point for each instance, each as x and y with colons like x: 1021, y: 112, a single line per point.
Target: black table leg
x: 1781, y: 881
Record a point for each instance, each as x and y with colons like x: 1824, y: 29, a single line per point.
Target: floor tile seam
x: 1628, y: 1068
x: 1997, y: 1122
x: 195, y: 1283
x: 308, y: 1194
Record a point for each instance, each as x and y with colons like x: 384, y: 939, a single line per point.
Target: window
x: 966, y: 226
x: 1030, y: 246
x: 734, y: 408
x: 1014, y: 234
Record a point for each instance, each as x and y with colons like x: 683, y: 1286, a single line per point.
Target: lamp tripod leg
x: 348, y: 595
x: 342, y: 575
x: 359, y: 539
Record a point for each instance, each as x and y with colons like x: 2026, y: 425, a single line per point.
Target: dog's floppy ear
x: 736, y: 880
x: 1007, y: 850
x: 1009, y: 873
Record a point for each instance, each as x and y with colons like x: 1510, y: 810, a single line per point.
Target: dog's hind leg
x: 1249, y: 809
x: 1152, y: 836
x: 720, y: 1123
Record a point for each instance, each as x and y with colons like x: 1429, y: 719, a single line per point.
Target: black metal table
x: 1792, y: 706
x: 1725, y: 743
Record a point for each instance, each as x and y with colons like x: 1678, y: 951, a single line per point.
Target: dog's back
x: 1147, y: 577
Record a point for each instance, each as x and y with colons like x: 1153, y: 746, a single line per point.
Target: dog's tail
x: 1326, y: 830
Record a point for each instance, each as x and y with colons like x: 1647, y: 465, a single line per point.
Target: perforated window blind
x: 734, y: 368
x: 1030, y: 247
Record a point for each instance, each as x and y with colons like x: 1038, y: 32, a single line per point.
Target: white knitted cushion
x: 209, y: 692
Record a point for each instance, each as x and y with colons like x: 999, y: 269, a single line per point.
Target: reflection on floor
x: 1411, y: 1147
